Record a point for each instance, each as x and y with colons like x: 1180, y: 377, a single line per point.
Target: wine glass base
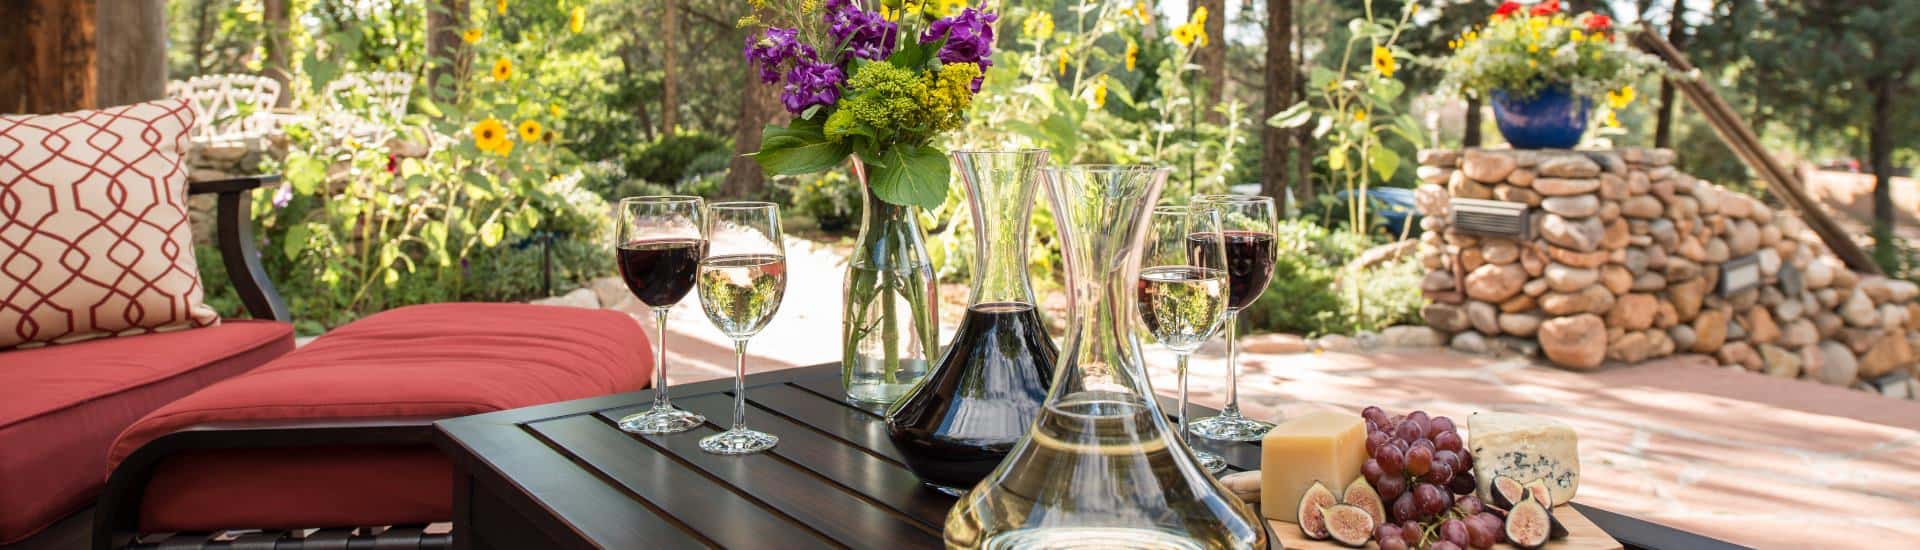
x: 658, y: 421
x: 738, y: 441
x: 1212, y: 462
x: 1230, y: 428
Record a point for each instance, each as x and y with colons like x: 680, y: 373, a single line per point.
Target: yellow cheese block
x: 1324, y: 446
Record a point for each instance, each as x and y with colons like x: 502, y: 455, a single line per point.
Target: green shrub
x: 671, y: 159
x: 1308, y: 294
x: 831, y: 198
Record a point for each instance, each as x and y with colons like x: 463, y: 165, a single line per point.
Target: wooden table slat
x: 884, y: 482
x: 709, y: 508
x: 829, y: 416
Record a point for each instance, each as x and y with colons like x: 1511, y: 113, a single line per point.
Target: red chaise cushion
x: 437, y: 361
x: 61, y: 406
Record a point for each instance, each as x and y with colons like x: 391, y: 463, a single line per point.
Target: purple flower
x: 811, y: 83
x: 969, y: 39
x: 283, y: 195
x: 865, y: 34
x: 774, y: 48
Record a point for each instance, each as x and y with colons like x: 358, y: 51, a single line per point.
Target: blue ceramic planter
x: 1553, y: 118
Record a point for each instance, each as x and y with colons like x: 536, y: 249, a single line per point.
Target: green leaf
x: 914, y: 55
x: 491, y: 233
x: 305, y: 173
x: 798, y: 148
x: 1383, y: 160
x: 295, y: 241
x: 911, y: 176
x: 1294, y: 117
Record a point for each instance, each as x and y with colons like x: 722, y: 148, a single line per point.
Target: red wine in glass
x: 661, y: 271
x: 1250, y: 257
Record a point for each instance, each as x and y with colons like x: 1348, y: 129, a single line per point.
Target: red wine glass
x: 662, y: 240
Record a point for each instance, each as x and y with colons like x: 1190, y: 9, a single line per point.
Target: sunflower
x: 578, y: 20
x: 500, y: 6
x: 1383, y: 62
x: 505, y: 148
x: 1100, y: 93
x: 1185, y: 34
x: 529, y: 131
x: 1133, y: 53
x: 1064, y: 58
x: 554, y: 108
x: 1620, y: 98
x: 490, y: 134
x: 473, y: 35
x: 502, y: 70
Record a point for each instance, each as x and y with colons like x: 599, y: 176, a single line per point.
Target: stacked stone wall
x: 1624, y: 263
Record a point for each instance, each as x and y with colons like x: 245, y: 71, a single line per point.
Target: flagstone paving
x: 1743, y: 457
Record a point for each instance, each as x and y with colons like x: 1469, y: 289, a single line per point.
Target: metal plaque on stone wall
x: 1790, y: 282
x: 1739, y: 274
x: 1492, y: 218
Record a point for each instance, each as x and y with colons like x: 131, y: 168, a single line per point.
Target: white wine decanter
x: 1101, y: 468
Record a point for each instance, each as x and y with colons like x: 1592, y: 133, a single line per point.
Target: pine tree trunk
x: 1275, y: 143
x: 758, y: 107
x: 1212, y: 57
x: 669, y: 101
x: 132, y: 61
x: 1880, y: 146
x: 1676, y: 35
x: 446, y: 52
x: 278, y: 20
x: 1470, y: 128
x: 48, y: 64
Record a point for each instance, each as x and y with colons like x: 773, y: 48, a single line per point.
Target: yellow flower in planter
x: 1133, y: 53
x: 578, y: 20
x: 473, y: 35
x: 489, y: 134
x: 1620, y: 98
x: 502, y: 70
x: 1383, y: 62
x: 1612, y: 121
x: 529, y: 130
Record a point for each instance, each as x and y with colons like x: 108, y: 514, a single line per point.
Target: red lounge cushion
x: 61, y: 406
x: 436, y: 361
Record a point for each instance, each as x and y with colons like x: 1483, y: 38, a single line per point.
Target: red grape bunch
x: 1417, y: 464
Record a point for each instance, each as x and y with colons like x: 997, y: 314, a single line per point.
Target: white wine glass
x: 1183, y: 294
x: 662, y: 239
x: 1247, y: 224
x: 741, y: 282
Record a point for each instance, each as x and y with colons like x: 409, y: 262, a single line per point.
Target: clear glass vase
x: 890, y: 329
x: 983, y: 395
x: 1099, y: 469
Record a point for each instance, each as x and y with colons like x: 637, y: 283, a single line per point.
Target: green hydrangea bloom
x: 896, y: 105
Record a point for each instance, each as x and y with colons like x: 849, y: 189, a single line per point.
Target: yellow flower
x: 502, y: 70
x: 1472, y: 36
x: 1063, y: 61
x: 529, y: 130
x: 1143, y: 13
x: 1532, y: 63
x: 1533, y: 48
x: 1185, y: 34
x: 888, y: 14
x: 951, y: 7
x: 1453, y: 44
x: 1578, y: 36
x: 1383, y: 62
x: 489, y: 134
x: 578, y: 20
x: 1620, y: 99
x: 500, y: 6
x: 1612, y: 121
x: 1133, y: 53
x: 1100, y: 93
x: 473, y: 35
x: 506, y: 147
x: 1199, y: 17
x: 555, y: 110
x: 1038, y: 26
x: 1360, y: 116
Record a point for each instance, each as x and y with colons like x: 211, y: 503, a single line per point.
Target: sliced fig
x: 1541, y: 493
x: 1528, y: 524
x: 1317, y: 498
x: 1506, y: 491
x: 1360, y: 493
x: 1348, y: 524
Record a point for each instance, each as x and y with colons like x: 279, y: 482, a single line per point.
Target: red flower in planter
x: 393, y: 163
x: 1598, y: 23
x: 1506, y: 9
x: 1548, y: 7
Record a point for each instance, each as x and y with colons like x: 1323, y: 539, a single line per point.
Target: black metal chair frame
x: 117, y: 514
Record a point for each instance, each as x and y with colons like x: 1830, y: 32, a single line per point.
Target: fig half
x: 1348, y: 524
x: 1313, y: 523
x: 1529, y: 525
x: 1540, y: 492
x: 1361, y: 494
x: 1505, y: 492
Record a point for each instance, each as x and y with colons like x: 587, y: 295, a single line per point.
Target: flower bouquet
x: 1542, y: 69
x: 877, y: 83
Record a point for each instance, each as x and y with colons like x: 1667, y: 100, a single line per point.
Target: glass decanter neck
x: 1000, y: 196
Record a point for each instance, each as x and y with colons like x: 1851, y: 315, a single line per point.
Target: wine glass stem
x: 740, y: 383
x: 1233, y: 364
x: 660, y: 400
x: 1180, y: 360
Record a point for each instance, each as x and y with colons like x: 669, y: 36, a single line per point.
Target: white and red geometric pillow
x: 94, y: 238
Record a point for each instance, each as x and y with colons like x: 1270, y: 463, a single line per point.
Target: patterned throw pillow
x: 93, y: 225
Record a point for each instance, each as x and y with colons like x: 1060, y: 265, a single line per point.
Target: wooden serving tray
x: 1582, y: 534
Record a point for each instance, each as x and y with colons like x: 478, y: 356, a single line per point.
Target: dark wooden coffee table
x: 563, y: 476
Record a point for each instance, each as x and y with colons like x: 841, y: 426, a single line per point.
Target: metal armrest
x: 237, y: 251
x: 117, y: 516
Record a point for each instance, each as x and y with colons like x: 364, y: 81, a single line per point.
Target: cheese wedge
x: 1324, y: 446
x: 1524, y: 447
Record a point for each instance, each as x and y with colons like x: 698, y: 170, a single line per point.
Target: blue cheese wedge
x: 1524, y: 447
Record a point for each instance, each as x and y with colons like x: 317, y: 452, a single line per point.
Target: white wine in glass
x: 740, y: 283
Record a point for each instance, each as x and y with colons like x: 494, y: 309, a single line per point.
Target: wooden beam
x: 1740, y: 137
x: 48, y: 56
x: 133, y: 51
